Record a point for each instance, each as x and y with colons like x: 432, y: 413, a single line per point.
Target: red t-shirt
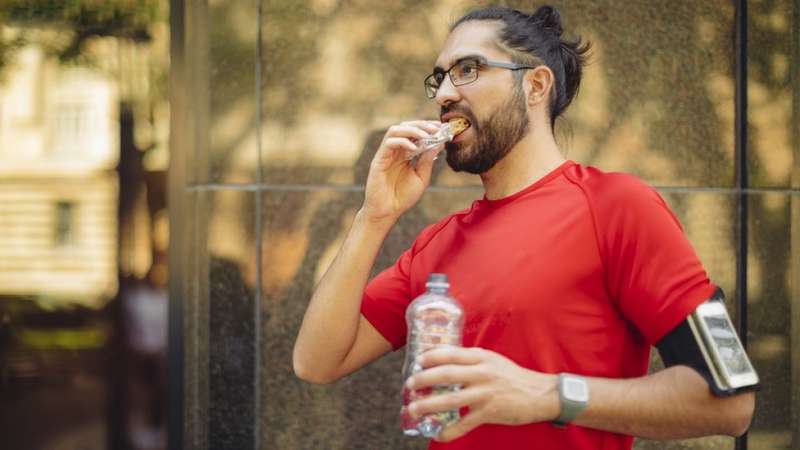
x: 580, y: 272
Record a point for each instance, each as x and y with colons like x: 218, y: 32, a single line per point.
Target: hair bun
x: 548, y: 18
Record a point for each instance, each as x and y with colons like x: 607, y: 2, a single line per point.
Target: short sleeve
x: 386, y: 298
x: 652, y: 270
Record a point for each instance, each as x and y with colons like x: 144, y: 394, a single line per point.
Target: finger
x: 446, y: 374
x: 424, y: 165
x: 400, y: 143
x: 446, y: 401
x: 467, y: 423
x: 430, y: 126
x: 452, y: 355
x: 408, y: 131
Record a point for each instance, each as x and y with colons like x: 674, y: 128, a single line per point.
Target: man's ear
x: 538, y: 83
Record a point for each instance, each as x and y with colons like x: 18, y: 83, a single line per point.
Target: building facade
x: 83, y: 227
x: 59, y: 149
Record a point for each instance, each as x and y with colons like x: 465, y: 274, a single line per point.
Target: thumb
x: 425, y: 163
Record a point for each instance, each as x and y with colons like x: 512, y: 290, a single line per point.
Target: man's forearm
x: 674, y: 403
x: 331, y: 321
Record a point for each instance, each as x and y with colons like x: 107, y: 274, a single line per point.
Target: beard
x: 494, y: 137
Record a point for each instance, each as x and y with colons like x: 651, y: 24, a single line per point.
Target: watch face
x: 576, y: 390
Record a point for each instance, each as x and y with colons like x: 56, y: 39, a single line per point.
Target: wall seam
x: 740, y: 152
x: 258, y: 241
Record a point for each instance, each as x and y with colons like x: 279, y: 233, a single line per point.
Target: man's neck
x: 533, y: 157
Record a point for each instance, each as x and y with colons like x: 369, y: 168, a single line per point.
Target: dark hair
x: 535, y: 39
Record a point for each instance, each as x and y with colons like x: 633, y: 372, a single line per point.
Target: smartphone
x: 721, y: 347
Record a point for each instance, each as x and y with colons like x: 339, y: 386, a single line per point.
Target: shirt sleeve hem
x: 681, y: 312
x: 372, y: 314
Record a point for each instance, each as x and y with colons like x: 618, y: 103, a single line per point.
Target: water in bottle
x: 434, y: 319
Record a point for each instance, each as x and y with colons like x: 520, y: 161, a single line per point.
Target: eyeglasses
x: 463, y: 72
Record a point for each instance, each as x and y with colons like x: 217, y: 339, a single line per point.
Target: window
x: 64, y: 223
x: 72, y: 127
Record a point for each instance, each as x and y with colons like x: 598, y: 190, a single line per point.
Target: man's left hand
x: 495, y: 389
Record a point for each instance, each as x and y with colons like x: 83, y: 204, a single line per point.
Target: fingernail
x: 410, y: 382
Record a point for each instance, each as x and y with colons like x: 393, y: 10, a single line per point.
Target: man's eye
x: 438, y: 77
x: 468, y: 68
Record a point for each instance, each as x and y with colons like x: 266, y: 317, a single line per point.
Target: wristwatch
x: 573, y: 395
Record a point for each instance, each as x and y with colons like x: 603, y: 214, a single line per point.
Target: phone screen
x: 731, y: 353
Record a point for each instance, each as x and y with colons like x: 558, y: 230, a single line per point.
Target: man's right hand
x: 394, y: 183
x: 335, y: 339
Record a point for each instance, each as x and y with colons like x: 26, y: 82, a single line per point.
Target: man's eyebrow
x: 463, y: 58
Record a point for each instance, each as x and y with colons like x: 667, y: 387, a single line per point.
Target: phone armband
x: 707, y: 342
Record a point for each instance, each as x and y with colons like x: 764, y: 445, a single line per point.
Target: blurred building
x: 83, y: 238
x: 59, y: 148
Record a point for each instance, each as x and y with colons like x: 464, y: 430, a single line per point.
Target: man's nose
x: 447, y: 92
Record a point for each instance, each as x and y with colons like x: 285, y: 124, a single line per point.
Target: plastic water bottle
x: 434, y: 319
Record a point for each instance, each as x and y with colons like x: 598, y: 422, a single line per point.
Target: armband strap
x: 680, y: 347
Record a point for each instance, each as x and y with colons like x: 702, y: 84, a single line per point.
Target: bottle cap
x: 437, y: 280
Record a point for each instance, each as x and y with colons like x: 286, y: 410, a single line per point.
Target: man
x: 561, y: 269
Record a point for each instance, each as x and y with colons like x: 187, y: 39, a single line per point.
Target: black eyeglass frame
x: 480, y: 62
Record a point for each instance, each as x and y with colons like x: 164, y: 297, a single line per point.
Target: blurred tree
x: 81, y: 20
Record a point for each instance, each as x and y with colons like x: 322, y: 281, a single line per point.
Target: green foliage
x: 82, y: 20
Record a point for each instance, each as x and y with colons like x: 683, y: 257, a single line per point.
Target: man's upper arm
x: 368, y: 346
